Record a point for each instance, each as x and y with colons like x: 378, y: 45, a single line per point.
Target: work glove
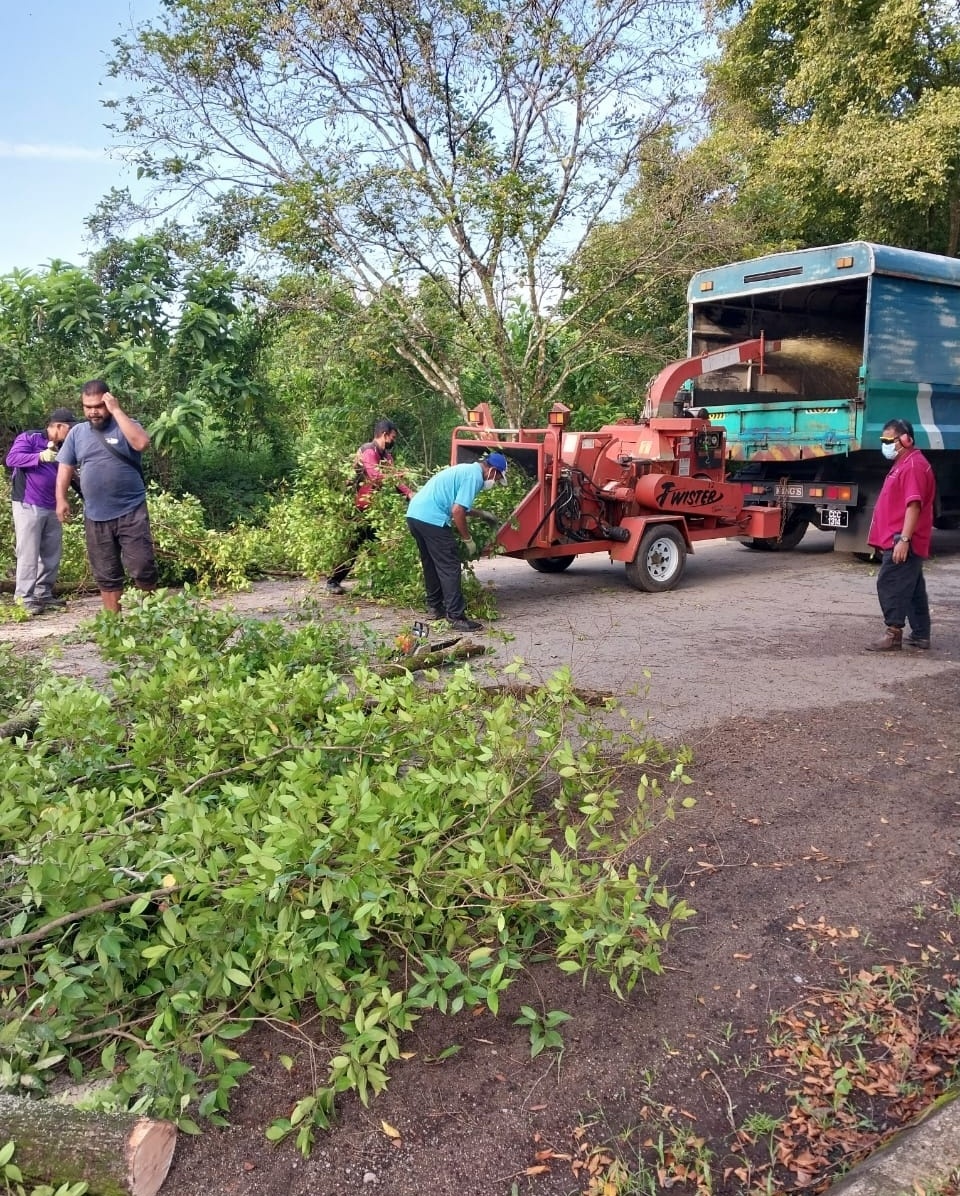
x: 470, y: 547
x: 48, y: 455
x: 488, y: 517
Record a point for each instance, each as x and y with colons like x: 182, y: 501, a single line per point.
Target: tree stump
x: 116, y: 1154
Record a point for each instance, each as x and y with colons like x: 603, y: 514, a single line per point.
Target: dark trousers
x: 117, y: 544
x: 363, y: 535
x: 441, y: 567
x: 903, y: 594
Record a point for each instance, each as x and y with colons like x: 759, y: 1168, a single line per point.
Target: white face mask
x: 489, y: 483
x: 889, y: 451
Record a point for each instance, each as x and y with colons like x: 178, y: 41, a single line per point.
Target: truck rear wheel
x: 660, y: 559
x: 551, y: 564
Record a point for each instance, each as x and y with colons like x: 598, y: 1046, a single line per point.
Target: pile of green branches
x: 249, y: 816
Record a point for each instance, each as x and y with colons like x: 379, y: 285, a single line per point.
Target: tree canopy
x: 845, y: 118
x: 465, y: 145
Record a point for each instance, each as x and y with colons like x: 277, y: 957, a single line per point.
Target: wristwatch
x: 903, y: 539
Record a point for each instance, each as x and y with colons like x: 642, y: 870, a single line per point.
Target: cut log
x: 115, y: 1154
x: 433, y: 657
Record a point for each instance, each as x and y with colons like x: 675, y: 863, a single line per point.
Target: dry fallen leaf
x: 389, y: 1130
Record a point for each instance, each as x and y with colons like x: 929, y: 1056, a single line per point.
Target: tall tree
x: 845, y: 118
x: 170, y: 332
x: 51, y: 322
x: 631, y: 276
x: 468, y: 144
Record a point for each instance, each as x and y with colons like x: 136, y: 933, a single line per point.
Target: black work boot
x: 917, y: 641
x: 465, y: 624
x: 891, y: 642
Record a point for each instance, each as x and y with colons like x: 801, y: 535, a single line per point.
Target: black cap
x: 62, y: 415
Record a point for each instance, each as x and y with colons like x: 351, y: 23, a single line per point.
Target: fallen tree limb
x: 589, y: 697
x: 115, y: 1154
x: 432, y: 658
x: 77, y: 915
x: 22, y: 724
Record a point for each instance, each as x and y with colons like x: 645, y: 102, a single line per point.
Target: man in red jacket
x: 901, y: 529
x: 39, y: 537
x: 374, y: 461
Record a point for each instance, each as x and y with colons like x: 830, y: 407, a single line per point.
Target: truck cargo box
x: 867, y: 333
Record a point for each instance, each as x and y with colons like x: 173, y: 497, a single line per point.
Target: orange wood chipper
x: 643, y: 492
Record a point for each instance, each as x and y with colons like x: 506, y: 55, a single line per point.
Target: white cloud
x: 50, y: 153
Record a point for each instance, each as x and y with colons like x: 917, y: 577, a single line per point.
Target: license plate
x: 830, y: 517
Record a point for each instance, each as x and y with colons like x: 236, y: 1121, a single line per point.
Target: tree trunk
x: 115, y: 1154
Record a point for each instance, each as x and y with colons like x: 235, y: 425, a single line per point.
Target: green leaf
x: 232, y: 1030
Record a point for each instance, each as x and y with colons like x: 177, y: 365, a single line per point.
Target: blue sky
x: 54, y: 160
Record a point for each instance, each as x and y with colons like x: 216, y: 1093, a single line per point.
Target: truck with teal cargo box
x: 857, y: 334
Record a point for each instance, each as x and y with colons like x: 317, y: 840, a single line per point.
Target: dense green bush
x: 247, y: 818
x: 234, y: 484
x: 305, y: 529
x: 20, y: 674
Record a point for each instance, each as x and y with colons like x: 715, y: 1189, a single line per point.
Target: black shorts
x: 118, y: 545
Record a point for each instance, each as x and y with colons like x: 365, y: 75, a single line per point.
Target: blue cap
x: 497, y: 461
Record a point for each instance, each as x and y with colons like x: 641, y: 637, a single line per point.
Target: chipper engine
x: 642, y: 492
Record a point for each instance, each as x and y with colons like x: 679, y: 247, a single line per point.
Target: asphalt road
x: 745, y: 633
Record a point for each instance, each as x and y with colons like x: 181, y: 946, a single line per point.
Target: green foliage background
x: 305, y: 529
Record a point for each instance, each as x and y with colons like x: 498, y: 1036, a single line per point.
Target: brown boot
x: 891, y: 642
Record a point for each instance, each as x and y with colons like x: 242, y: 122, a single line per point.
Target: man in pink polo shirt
x: 901, y: 527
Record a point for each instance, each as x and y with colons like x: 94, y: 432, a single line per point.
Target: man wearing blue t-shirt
x: 106, y: 449
x: 446, y: 499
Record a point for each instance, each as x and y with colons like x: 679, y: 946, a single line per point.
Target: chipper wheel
x: 551, y: 564
x: 660, y: 559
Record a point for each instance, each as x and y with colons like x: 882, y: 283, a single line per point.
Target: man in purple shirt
x: 39, y: 536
